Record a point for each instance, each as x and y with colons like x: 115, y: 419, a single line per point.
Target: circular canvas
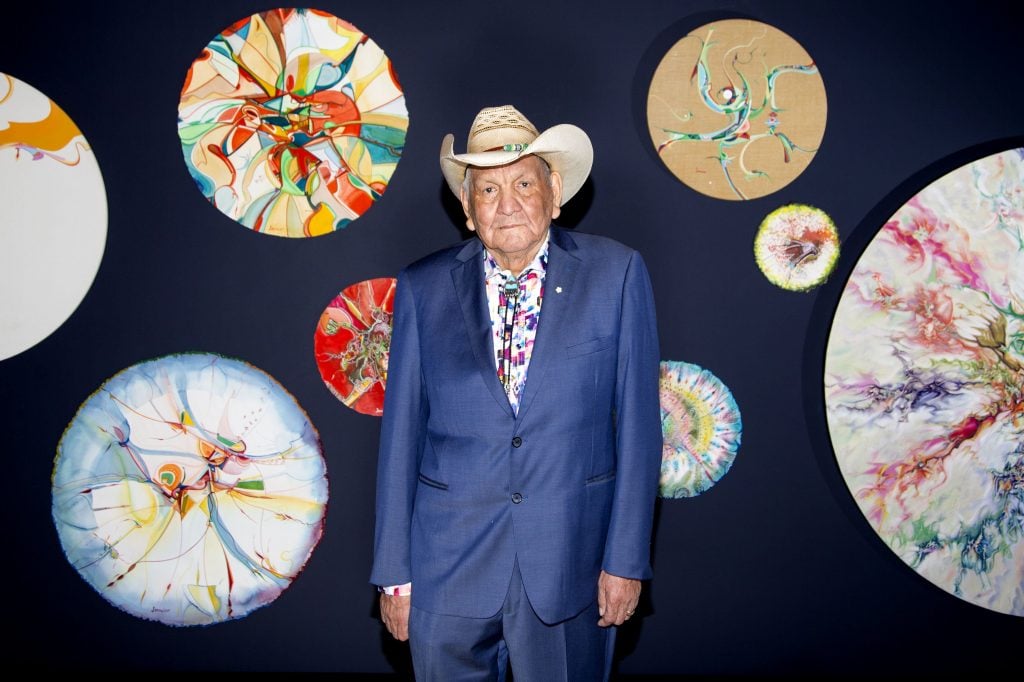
x: 701, y: 429
x: 797, y: 247
x: 190, y: 489
x: 53, y: 226
x: 924, y: 382
x: 352, y: 341
x: 292, y: 122
x: 736, y: 109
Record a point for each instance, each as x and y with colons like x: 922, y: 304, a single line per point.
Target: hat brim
x: 565, y: 148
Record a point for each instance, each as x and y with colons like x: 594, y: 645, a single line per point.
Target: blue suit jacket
x: 464, y: 486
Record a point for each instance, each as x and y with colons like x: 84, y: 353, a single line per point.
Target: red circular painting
x: 351, y: 344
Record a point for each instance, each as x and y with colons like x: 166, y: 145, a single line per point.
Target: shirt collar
x: 539, y: 264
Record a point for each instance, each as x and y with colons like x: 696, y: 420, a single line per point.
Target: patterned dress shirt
x: 514, y: 318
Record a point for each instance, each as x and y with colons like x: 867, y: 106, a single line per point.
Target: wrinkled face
x: 510, y: 208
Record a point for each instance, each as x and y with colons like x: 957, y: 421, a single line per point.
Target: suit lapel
x: 468, y: 276
x: 558, y: 296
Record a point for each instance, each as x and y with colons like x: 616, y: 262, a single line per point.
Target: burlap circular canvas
x: 736, y: 109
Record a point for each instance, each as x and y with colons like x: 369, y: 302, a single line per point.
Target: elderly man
x: 521, y: 438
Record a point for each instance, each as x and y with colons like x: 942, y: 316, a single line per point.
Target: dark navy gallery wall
x: 774, y: 570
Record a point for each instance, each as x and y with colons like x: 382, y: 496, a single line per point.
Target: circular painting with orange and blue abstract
x: 292, y: 122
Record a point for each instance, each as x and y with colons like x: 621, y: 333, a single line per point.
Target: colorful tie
x: 508, y: 300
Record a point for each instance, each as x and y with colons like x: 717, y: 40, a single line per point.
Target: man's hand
x: 616, y: 599
x: 394, y: 611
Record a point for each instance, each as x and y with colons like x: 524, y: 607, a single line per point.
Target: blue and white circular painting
x: 189, y: 489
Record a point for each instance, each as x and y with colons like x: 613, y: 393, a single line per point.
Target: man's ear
x: 556, y: 191
x: 464, y: 198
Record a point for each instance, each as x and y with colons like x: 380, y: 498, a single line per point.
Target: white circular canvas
x: 190, y: 489
x: 53, y: 226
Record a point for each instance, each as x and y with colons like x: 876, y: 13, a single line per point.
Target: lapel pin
x: 558, y: 290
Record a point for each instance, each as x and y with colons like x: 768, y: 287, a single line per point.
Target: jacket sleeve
x: 403, y: 429
x: 638, y: 439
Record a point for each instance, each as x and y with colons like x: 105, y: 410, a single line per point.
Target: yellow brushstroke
x: 259, y: 55
x: 204, y: 598
x: 141, y: 500
x: 345, y: 30
x: 51, y: 134
x: 303, y: 510
x: 302, y: 65
x: 321, y: 222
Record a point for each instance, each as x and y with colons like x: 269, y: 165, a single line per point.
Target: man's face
x: 510, y: 208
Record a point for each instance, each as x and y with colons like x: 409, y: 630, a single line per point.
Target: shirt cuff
x: 396, y: 590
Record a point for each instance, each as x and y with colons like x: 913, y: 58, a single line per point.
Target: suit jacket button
x: 517, y: 441
x: 516, y: 498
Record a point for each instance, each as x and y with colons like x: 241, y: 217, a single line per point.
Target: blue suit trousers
x: 459, y: 649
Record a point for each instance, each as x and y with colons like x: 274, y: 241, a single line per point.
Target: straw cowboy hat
x: 501, y: 135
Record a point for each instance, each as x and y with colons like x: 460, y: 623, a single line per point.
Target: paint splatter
x: 292, y: 122
x: 797, y: 247
x: 701, y: 429
x: 924, y: 382
x: 189, y: 490
x: 50, y: 250
x: 736, y: 109
x: 351, y: 344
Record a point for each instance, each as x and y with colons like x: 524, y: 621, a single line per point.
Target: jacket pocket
x: 432, y: 483
x: 600, y: 478
x: 591, y: 346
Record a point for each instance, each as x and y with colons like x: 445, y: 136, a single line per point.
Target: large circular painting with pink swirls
x: 924, y: 382
x: 292, y: 122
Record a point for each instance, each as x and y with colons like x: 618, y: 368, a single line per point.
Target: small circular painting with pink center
x: 292, y: 122
x: 797, y: 247
x: 700, y: 426
x: 352, y: 341
x: 190, y: 489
